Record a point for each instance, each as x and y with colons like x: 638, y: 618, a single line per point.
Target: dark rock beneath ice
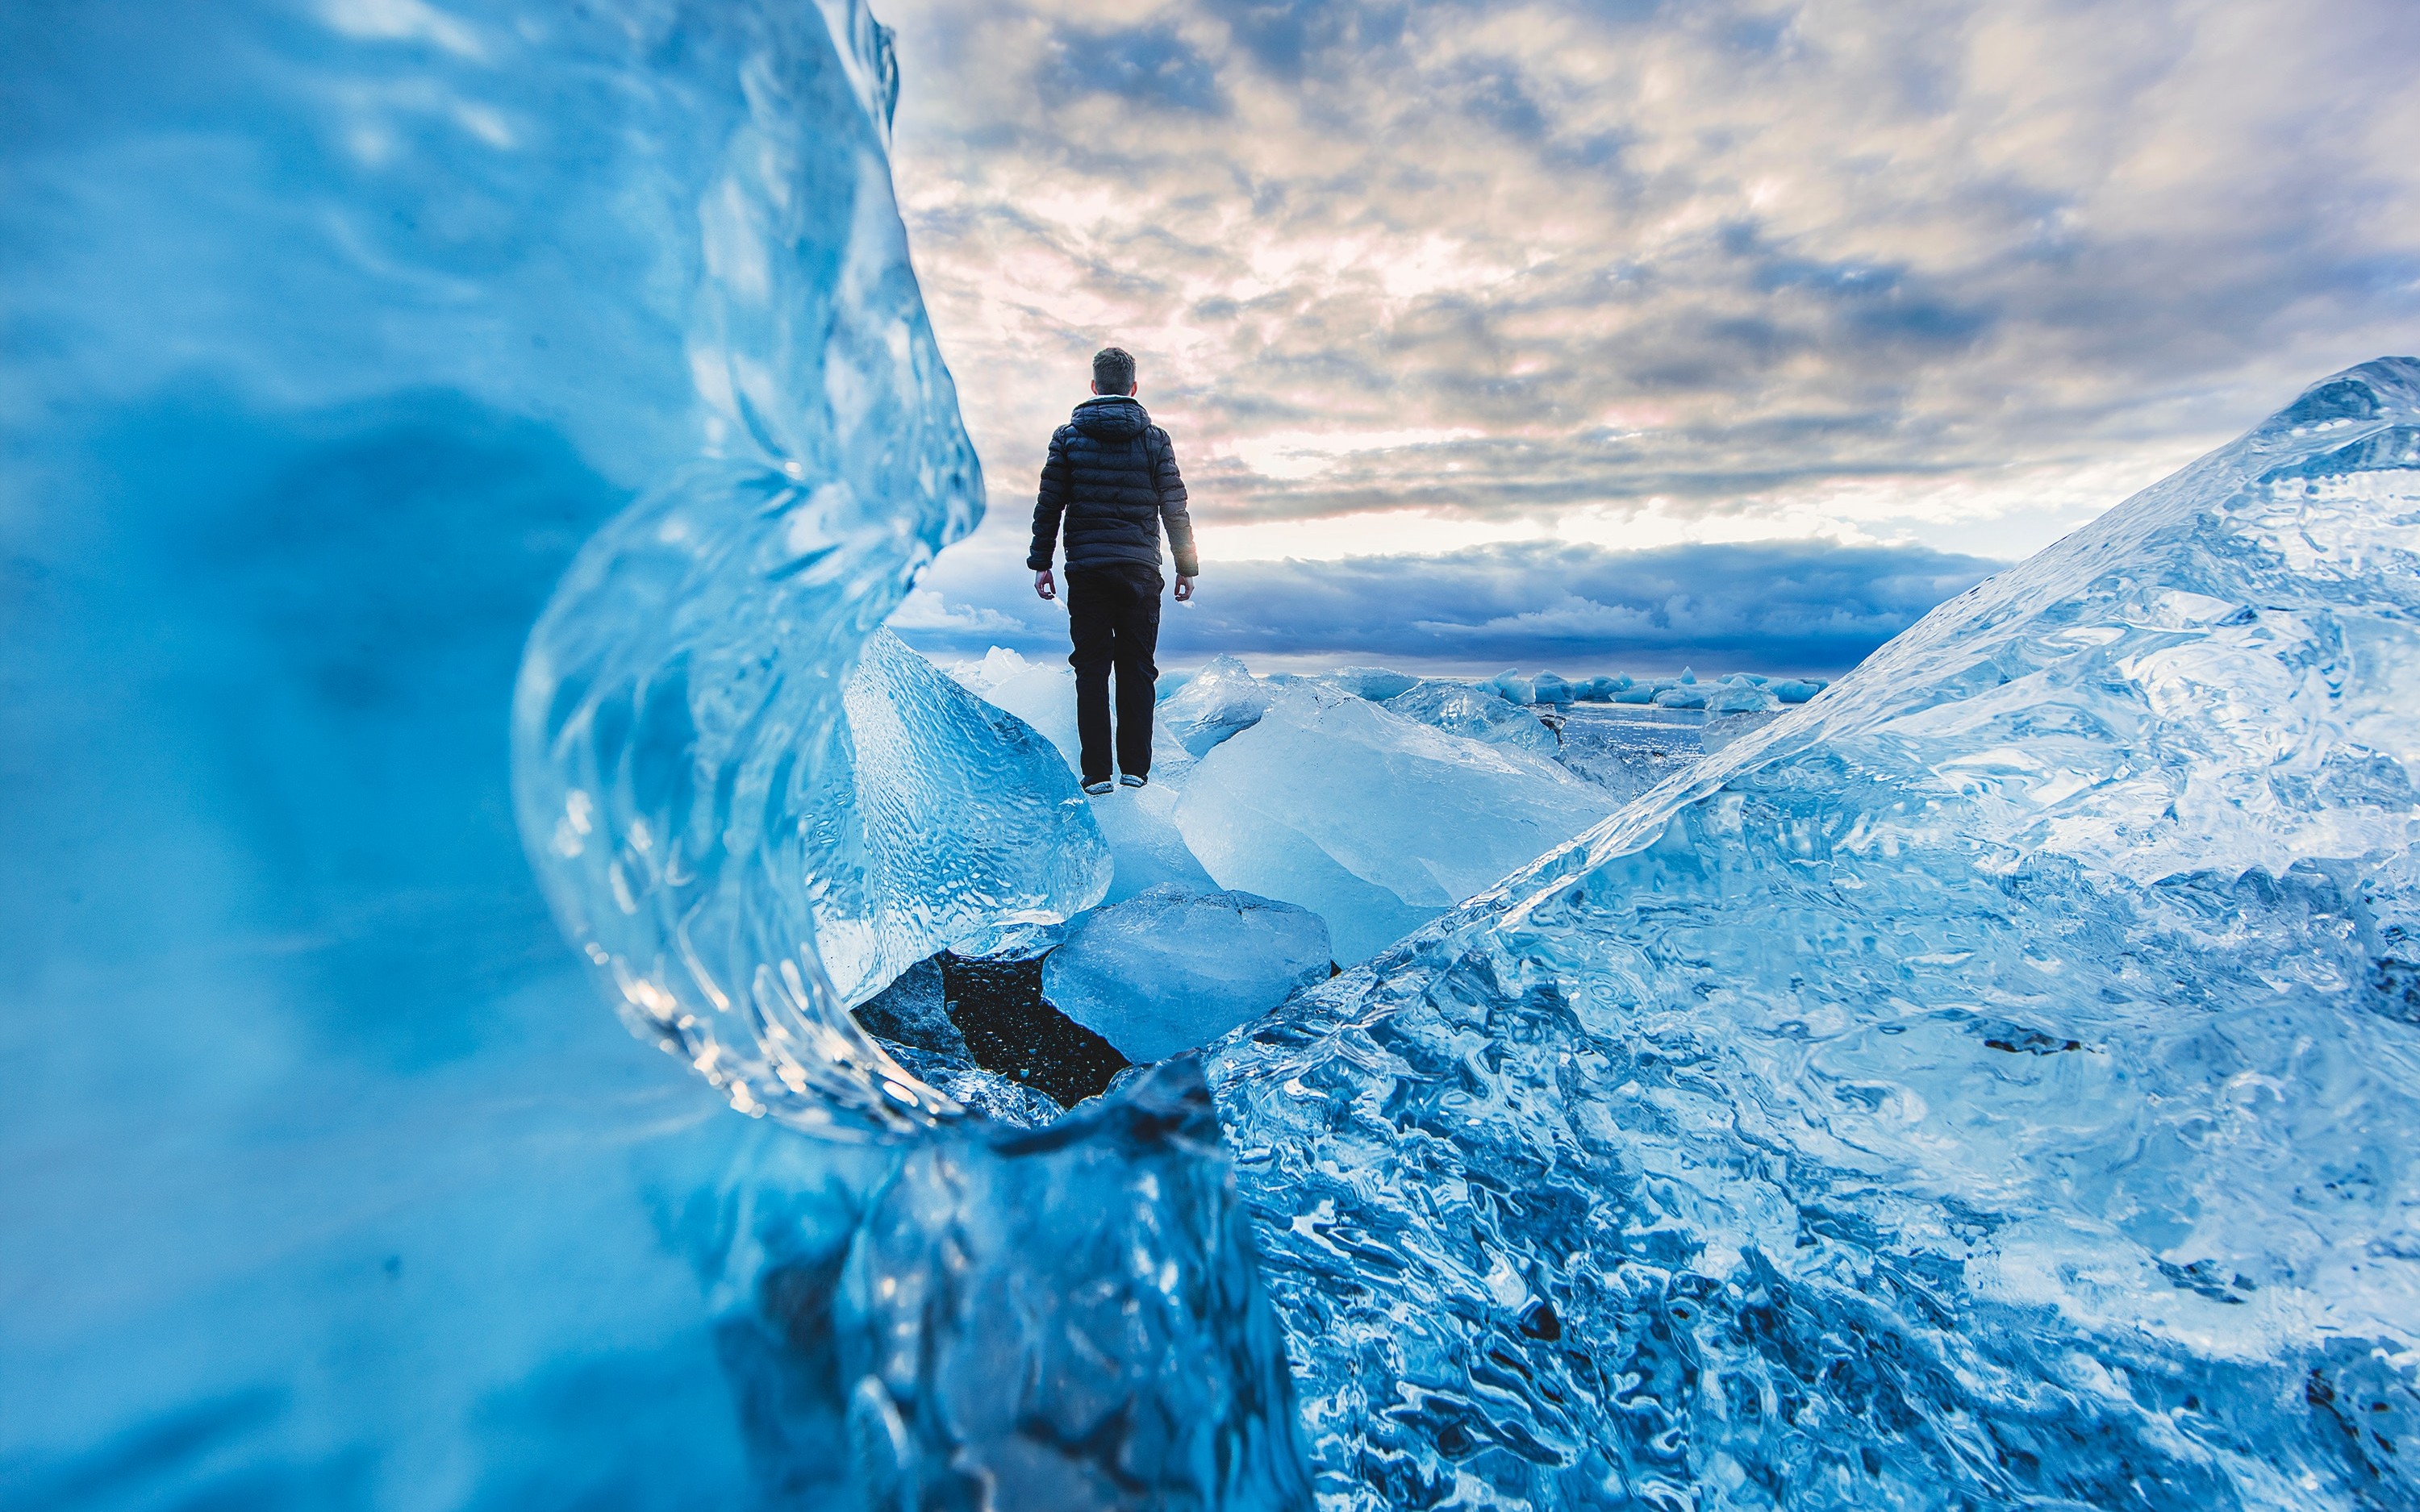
x: 997, y: 1007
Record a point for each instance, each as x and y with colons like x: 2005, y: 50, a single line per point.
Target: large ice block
x: 1991, y: 1084
x: 332, y: 330
x: 1376, y: 683
x: 1220, y: 700
x: 1374, y: 822
x: 1139, y: 825
x: 947, y: 817
x: 1173, y: 968
x: 1474, y: 713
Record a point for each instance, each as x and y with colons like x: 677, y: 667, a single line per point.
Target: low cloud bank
x: 1762, y: 607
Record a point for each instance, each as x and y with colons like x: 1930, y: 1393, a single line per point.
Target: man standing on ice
x: 1113, y: 476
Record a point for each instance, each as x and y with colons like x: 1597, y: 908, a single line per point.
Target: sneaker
x: 1098, y: 790
x: 1130, y: 781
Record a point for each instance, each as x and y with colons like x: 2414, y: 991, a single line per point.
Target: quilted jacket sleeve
x: 1171, y: 485
x: 1048, y: 503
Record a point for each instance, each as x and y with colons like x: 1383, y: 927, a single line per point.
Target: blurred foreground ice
x: 334, y: 333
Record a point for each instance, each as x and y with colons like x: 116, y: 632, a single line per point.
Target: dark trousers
x: 1113, y: 616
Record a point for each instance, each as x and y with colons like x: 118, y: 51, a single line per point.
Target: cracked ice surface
x: 1991, y: 1084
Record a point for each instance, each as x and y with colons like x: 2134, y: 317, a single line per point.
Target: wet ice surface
x: 1627, y: 749
x: 1139, y: 825
x: 1477, y: 713
x: 1173, y: 969
x: 1220, y: 700
x: 327, y: 1181
x: 1988, y: 1084
x: 1375, y: 822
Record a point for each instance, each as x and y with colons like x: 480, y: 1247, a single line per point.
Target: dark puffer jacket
x: 1112, y: 473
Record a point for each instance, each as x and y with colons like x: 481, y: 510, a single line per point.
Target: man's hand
x: 1044, y: 586
x: 1184, y: 589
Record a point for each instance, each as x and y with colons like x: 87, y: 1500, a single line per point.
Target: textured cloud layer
x: 1419, y: 279
x: 1761, y: 606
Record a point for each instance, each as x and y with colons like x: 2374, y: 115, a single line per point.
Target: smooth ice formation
x: 1138, y: 824
x: 1990, y: 1085
x: 333, y: 332
x: 1372, y: 821
x: 1474, y: 713
x: 1221, y: 700
x: 1173, y: 968
x: 1512, y: 687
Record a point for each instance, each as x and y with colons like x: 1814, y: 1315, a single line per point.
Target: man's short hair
x: 1113, y: 370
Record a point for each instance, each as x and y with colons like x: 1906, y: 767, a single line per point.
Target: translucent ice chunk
x: 1376, y: 683
x: 1474, y: 713
x: 1137, y: 824
x: 1070, y: 1321
x: 1169, y: 970
x: 958, y: 818
x: 1989, y: 1084
x: 1740, y: 697
x: 1223, y: 698
x: 1512, y: 687
x: 1372, y: 821
x: 332, y: 330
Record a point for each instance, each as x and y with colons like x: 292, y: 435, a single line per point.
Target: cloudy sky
x: 1622, y: 335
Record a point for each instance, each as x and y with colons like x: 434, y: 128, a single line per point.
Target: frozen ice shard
x: 1222, y: 700
x: 947, y: 817
x: 1374, y: 822
x: 1173, y: 968
x: 1138, y: 824
x: 1992, y: 1084
x: 1376, y: 683
x: 1475, y: 713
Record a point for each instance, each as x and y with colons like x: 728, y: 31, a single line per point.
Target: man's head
x: 1113, y: 371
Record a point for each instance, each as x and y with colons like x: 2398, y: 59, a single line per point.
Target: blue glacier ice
x: 1173, y: 968
x: 343, y: 340
x: 958, y: 819
x: 1376, y: 683
x: 1475, y: 713
x: 1138, y: 826
x: 1375, y: 822
x: 1992, y: 1084
x: 1217, y: 703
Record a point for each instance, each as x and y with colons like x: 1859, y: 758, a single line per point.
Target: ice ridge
x: 1991, y: 1084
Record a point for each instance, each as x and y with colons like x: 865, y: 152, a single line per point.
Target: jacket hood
x: 1112, y: 416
